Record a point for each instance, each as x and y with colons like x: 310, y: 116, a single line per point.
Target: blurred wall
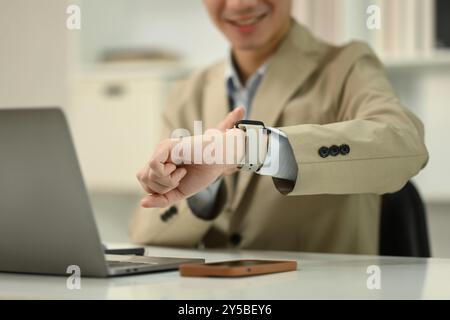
x: 33, y: 53
x: 180, y: 26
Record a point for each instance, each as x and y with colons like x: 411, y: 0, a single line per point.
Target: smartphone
x: 236, y: 268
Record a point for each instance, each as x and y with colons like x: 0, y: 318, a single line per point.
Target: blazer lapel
x: 215, y: 102
x: 288, y: 69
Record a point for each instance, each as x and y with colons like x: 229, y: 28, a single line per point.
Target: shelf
x: 440, y: 58
x: 160, y: 70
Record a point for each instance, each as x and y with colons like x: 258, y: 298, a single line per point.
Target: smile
x: 247, y: 21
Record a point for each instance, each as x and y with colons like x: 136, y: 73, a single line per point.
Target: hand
x: 167, y: 183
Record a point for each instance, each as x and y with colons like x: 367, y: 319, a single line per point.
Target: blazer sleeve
x: 386, y: 140
x: 175, y: 226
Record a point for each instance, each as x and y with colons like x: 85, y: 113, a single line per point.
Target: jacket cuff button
x: 324, y: 152
x: 345, y: 149
x: 334, y: 151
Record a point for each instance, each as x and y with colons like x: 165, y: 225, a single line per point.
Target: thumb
x: 232, y: 117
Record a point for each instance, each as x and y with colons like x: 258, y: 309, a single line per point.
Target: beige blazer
x: 319, y: 95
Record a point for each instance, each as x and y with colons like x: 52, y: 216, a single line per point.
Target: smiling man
x: 331, y: 138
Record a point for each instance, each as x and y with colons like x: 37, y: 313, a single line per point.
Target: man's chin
x: 248, y: 46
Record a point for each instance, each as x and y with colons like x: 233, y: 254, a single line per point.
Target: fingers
x: 159, y: 160
x: 178, y: 174
x: 232, y: 117
x: 154, y: 183
x: 158, y: 175
x: 154, y: 201
x: 161, y: 169
x: 163, y: 185
x: 162, y: 200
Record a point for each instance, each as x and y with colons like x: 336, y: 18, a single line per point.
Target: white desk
x: 320, y: 276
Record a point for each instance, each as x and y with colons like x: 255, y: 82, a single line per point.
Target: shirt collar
x: 232, y: 76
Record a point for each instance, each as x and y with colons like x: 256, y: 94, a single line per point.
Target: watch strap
x: 254, y: 135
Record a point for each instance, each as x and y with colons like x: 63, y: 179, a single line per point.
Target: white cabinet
x: 116, y: 120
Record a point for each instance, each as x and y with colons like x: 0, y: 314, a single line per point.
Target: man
x: 338, y: 138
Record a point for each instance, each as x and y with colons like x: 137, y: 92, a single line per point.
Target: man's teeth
x: 247, y: 21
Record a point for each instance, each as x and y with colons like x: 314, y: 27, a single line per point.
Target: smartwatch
x: 254, y: 135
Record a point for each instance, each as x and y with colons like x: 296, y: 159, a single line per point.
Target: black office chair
x: 403, y: 225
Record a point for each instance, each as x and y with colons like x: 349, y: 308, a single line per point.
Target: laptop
x: 46, y: 220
